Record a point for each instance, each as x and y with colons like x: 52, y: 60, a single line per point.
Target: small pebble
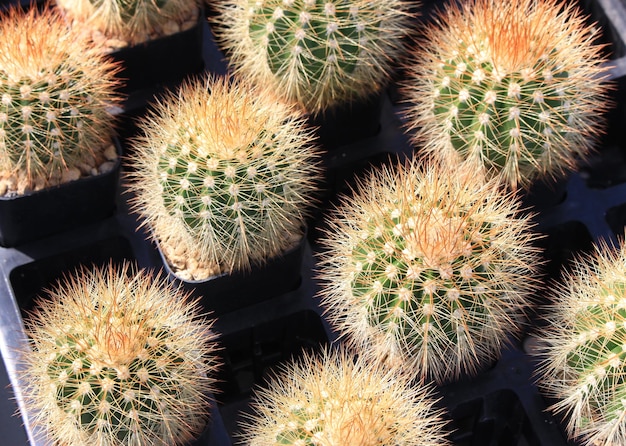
x: 106, y: 167
x: 116, y: 43
x: 71, y: 174
x: 170, y: 27
x: 110, y: 153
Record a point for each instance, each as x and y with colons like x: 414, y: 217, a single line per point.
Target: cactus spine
x: 56, y: 93
x: 516, y: 89
x: 584, y: 347
x: 428, y: 268
x: 129, y: 21
x: 119, y: 358
x: 319, y: 53
x: 226, y: 173
x: 335, y: 399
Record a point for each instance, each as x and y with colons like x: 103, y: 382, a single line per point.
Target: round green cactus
x: 130, y: 21
x: 318, y: 53
x: 56, y: 94
x: 225, y: 173
x: 517, y: 89
x: 336, y: 399
x: 429, y: 269
x: 583, y: 347
x: 119, y: 358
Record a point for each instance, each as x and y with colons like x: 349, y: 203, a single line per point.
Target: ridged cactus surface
x: 428, y: 269
x: 319, y: 53
x: 56, y: 94
x: 517, y: 89
x: 118, y: 358
x: 132, y: 21
x: 226, y: 171
x: 334, y: 398
x: 583, y: 347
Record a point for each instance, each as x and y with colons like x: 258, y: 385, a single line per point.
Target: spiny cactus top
x: 225, y: 172
x: 584, y: 347
x: 319, y: 53
x: 335, y: 399
x: 132, y: 21
x: 428, y: 268
x: 56, y: 94
x: 516, y: 88
x: 119, y: 358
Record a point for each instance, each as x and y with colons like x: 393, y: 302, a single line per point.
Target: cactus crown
x: 56, y: 90
x: 333, y: 398
x: 514, y: 88
x: 133, y: 21
x: 119, y: 358
x: 583, y: 353
x: 319, y: 53
x: 428, y: 268
x: 227, y: 171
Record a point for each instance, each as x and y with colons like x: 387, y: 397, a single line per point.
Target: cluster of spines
x: 334, y: 398
x: 428, y: 269
x: 119, y: 358
x: 132, y: 21
x: 57, y: 91
x: 517, y: 89
x: 317, y: 53
x: 583, y: 347
x: 227, y: 170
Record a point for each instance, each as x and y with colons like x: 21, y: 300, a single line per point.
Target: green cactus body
x: 56, y: 94
x: 517, y: 89
x: 598, y: 361
x: 429, y: 272
x: 224, y: 194
x: 123, y: 399
x: 131, y: 21
x: 320, y: 53
x: 521, y: 116
x: 119, y: 360
x: 583, y: 347
x: 336, y: 399
x: 234, y: 186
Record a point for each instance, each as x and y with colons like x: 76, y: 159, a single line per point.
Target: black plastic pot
x: 37, y: 267
x: 156, y: 64
x: 229, y: 292
x: 32, y: 216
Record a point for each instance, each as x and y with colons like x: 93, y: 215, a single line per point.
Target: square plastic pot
x: 229, y: 292
x: 29, y: 272
x: 32, y: 216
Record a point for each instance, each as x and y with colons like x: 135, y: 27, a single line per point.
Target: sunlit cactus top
x: 584, y: 347
x: 131, y: 21
x: 226, y: 172
x: 515, y: 88
x: 319, y: 53
x: 428, y: 268
x: 118, y: 358
x: 57, y: 91
x: 333, y: 398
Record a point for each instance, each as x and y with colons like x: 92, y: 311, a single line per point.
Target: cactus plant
x: 583, y: 347
x: 118, y: 358
x: 130, y: 22
x: 316, y: 53
x: 224, y: 175
x: 428, y: 268
x: 517, y: 89
x: 333, y: 398
x: 56, y: 95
